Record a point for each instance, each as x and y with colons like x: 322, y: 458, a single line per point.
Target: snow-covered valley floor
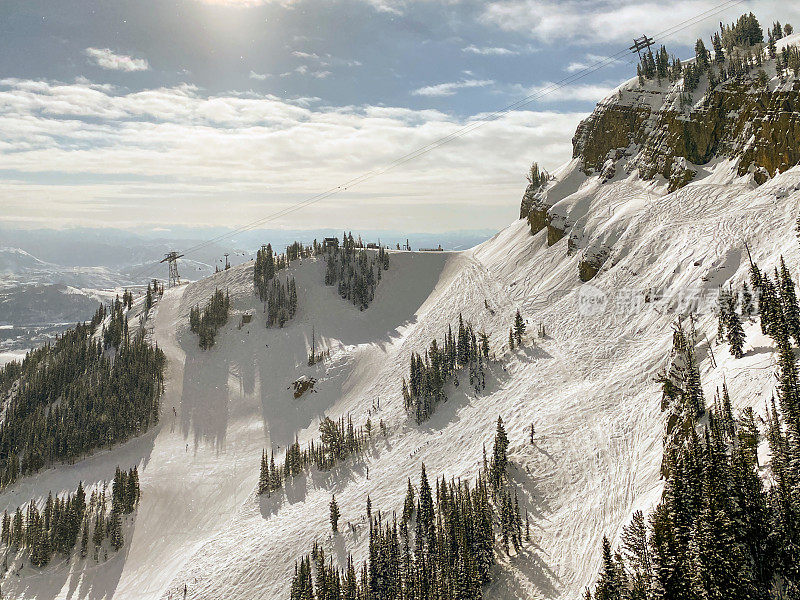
x: 588, y: 386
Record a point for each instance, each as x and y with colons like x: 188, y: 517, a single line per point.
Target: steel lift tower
x: 172, y: 259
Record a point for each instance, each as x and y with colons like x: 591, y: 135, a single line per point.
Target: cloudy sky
x: 136, y: 113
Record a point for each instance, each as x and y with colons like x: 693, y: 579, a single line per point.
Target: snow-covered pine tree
x: 519, y: 328
x: 609, y: 586
x: 747, y: 301
x: 735, y: 334
x: 723, y: 308
x: 791, y: 310
x: 334, y: 515
x: 408, y: 504
x: 499, y: 455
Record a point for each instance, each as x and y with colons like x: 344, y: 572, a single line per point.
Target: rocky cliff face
x: 759, y: 128
x: 660, y: 133
x: 534, y: 208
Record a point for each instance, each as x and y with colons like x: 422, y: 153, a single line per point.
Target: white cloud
x: 452, y: 87
x: 327, y: 60
x: 578, y: 92
x: 591, y: 61
x: 387, y: 6
x: 489, y: 51
x: 258, y: 76
x: 591, y: 21
x: 309, y: 55
x: 108, y: 59
x: 245, y: 3
x: 176, y: 153
x: 305, y: 70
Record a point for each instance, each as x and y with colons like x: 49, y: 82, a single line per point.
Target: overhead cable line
x: 460, y: 132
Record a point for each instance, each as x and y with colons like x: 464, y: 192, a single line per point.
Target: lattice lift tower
x: 172, y: 259
x: 640, y: 44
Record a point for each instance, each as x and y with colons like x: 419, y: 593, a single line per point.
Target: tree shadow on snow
x: 528, y: 490
x: 283, y: 415
x: 395, y: 304
x: 269, y: 504
x: 759, y: 350
x: 104, y: 586
x: 294, y: 490
x: 204, y: 402
x: 533, y: 352
x: 529, y: 568
x: 526, y: 570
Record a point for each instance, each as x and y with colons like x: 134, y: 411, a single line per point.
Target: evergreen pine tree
x: 334, y: 508
x: 791, y: 310
x: 408, y: 504
x: 519, y: 328
x: 499, y: 456
x: 747, y: 301
x: 608, y: 586
x: 84, y: 538
x: 735, y: 335
x: 115, y: 528
x: 637, y: 550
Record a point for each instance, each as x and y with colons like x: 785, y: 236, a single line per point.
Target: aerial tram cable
x: 458, y: 133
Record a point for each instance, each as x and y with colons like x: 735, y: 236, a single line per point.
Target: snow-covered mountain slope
x: 587, y: 386
x: 608, y: 255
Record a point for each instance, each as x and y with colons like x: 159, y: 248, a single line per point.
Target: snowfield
x: 588, y: 386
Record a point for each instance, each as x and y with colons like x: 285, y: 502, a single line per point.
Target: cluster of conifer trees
x: 357, y: 271
x: 788, y: 60
x: 777, y: 304
x: 127, y: 299
x: 281, y: 301
x: 428, y: 375
x: 154, y: 290
x: 298, y: 250
x: 682, y: 392
x: 338, y: 440
x: 266, y: 265
x: 738, y: 49
x: 719, y: 531
x: 744, y: 33
x: 70, y: 397
x: 279, y: 298
x: 441, y: 550
x: 729, y: 306
x: 61, y: 522
x: 537, y: 176
x: 117, y: 328
x: 214, y: 315
x: 659, y: 66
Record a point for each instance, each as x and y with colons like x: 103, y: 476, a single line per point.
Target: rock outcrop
x: 662, y: 133
x: 759, y: 128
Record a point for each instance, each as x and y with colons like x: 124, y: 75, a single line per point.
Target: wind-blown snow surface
x: 588, y: 387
